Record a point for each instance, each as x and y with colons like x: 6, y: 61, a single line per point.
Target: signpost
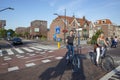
x: 57, y: 29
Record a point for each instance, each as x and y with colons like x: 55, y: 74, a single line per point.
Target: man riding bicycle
x: 70, y: 45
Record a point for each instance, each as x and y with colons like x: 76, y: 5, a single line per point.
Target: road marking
x: 36, y: 48
x: 30, y: 64
x: 42, y: 52
x: 9, y: 51
x: 27, y: 49
x: 50, y: 51
x: 18, y: 50
x: 39, y: 59
x: 1, y: 53
x: 4, y: 64
x: 58, y: 58
x: 13, y: 68
x: 20, y: 56
x: 7, y: 58
x: 47, y: 47
x: 46, y: 61
x: 32, y: 54
x: 110, y: 74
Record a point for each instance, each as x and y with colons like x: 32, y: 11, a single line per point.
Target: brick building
x: 20, y: 30
x: 106, y: 26
x: 2, y: 23
x: 69, y: 23
x: 38, y: 28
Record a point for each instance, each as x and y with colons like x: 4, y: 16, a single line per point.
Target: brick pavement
x: 56, y: 70
x: 21, y: 61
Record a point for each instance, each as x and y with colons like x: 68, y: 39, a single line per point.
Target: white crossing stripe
x: 47, y: 47
x: 36, y: 48
x: 13, y: 68
x: 58, y: 58
x: 27, y: 49
x: 18, y: 50
x: 108, y: 75
x: 46, y: 61
x: 30, y: 64
x: 1, y: 53
x: 9, y: 51
x: 7, y: 58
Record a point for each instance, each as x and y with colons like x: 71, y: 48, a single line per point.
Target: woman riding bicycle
x: 101, y: 47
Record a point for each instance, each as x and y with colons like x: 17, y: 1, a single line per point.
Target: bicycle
x: 74, y: 60
x: 106, y: 62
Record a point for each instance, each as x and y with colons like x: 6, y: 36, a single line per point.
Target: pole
x: 65, y: 27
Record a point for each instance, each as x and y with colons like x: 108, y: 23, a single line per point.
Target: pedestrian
x: 116, y: 41
x: 101, y: 43
x: 70, y: 45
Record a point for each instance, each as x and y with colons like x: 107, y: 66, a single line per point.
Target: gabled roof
x: 103, y: 21
x: 81, y: 21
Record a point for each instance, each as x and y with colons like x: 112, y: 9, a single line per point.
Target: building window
x: 103, y: 21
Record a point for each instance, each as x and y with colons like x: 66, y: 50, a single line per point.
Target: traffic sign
x: 57, y: 29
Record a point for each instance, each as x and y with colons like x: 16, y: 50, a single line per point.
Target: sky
x: 26, y: 11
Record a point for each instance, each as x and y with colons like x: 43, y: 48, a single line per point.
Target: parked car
x: 17, y: 40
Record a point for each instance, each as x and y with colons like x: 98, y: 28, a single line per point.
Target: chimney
x: 83, y: 17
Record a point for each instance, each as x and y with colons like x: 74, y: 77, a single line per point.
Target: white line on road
x: 9, y: 51
x: 36, y: 48
x: 18, y: 50
x: 27, y: 49
x: 30, y: 64
x: 46, y: 61
x: 39, y: 59
x: 13, y: 68
x: 58, y: 58
x: 108, y: 75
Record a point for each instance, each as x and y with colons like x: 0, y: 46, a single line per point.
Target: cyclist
x: 101, y: 47
x: 70, y: 46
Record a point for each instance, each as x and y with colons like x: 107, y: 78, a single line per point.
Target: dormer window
x: 103, y: 21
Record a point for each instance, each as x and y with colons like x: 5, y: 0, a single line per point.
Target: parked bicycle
x: 74, y: 60
x: 106, y: 62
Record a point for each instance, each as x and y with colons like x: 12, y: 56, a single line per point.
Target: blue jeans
x: 70, y: 50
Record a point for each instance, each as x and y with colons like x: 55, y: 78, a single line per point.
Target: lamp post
x: 6, y: 9
x: 64, y: 23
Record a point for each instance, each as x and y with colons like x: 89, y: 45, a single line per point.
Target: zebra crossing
x: 26, y: 50
x: 113, y: 75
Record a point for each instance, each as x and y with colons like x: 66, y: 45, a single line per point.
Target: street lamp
x: 64, y: 23
x: 6, y: 9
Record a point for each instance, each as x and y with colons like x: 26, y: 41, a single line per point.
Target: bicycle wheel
x: 76, y: 63
x: 108, y: 63
x: 92, y: 57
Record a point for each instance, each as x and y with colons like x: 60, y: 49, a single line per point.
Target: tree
x: 94, y: 37
x: 26, y: 34
x: 11, y: 32
x: 3, y: 33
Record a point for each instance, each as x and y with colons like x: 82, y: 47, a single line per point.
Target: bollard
x: 58, y: 45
